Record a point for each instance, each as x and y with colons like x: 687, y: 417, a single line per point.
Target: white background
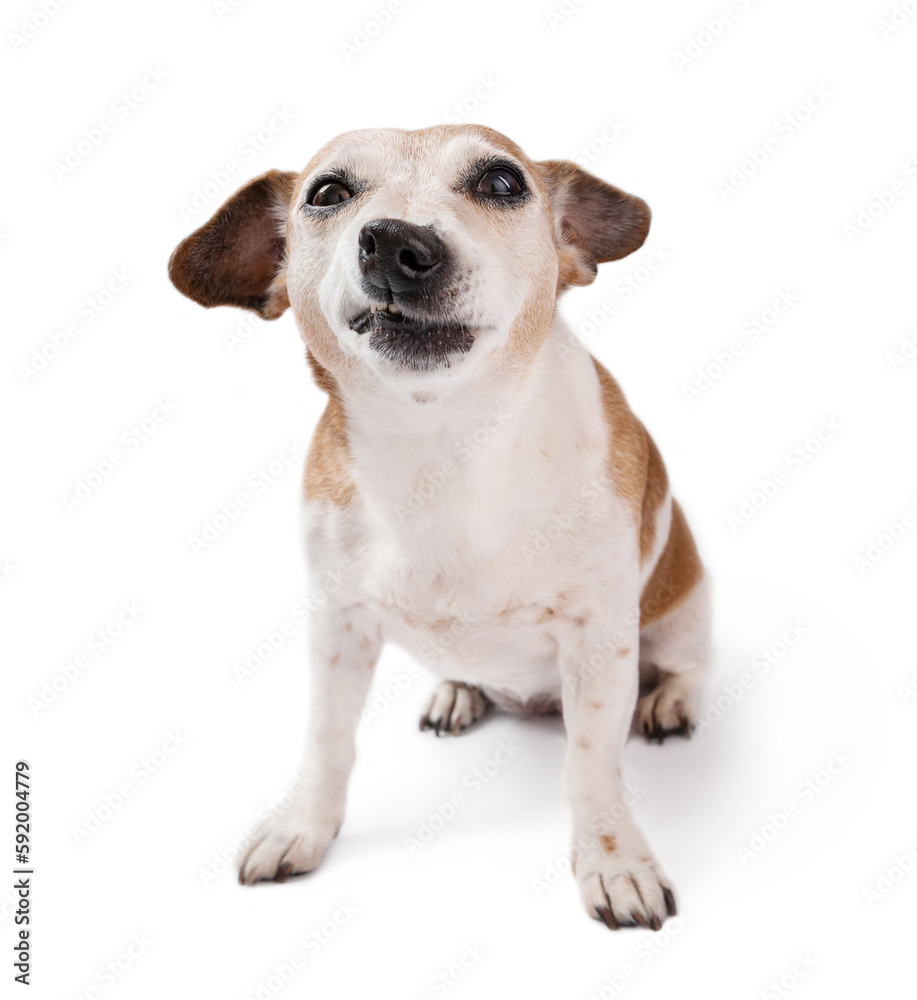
x: 846, y: 690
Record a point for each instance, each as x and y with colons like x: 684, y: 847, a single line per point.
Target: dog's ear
x: 594, y: 221
x: 236, y: 259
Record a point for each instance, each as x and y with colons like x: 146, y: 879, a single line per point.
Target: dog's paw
x: 453, y: 708
x: 287, y: 845
x: 624, y: 891
x: 667, y: 710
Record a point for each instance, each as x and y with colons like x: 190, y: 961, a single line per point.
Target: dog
x: 477, y: 485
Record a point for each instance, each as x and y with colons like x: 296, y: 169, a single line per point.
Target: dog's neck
x: 479, y: 444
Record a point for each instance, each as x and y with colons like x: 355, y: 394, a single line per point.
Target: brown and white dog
x: 477, y: 480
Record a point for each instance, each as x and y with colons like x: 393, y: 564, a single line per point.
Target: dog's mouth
x: 411, y: 342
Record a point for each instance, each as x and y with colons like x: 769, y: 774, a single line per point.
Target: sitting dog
x: 477, y: 481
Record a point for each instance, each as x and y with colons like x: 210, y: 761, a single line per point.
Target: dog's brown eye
x: 331, y: 193
x: 500, y: 181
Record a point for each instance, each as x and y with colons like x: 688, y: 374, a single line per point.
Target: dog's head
x: 412, y: 255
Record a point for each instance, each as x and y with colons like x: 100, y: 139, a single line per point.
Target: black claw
x: 607, y: 917
x: 640, y: 919
x: 655, y: 922
x: 657, y: 735
x: 669, y: 902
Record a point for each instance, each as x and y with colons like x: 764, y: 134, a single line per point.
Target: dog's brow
x: 481, y: 155
x: 484, y: 150
x: 334, y: 168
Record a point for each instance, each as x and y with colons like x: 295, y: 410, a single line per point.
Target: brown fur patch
x: 327, y: 475
x: 327, y: 464
x: 634, y: 463
x: 530, y: 328
x: 236, y: 258
x: 584, y: 743
x: 594, y: 221
x: 609, y: 843
x: 676, y: 572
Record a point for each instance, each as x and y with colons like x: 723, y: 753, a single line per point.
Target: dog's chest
x: 473, y: 537
x: 475, y: 579
x: 514, y: 652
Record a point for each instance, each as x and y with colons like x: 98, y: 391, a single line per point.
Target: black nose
x: 399, y: 257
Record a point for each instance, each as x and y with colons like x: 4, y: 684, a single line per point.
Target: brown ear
x: 594, y: 221
x: 236, y: 259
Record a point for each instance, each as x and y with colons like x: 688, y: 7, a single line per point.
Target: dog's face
x: 412, y: 257
x: 420, y: 250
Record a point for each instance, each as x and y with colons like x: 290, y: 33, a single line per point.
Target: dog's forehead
x: 437, y: 147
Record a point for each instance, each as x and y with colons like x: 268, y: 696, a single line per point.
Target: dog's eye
x: 500, y: 181
x: 330, y: 193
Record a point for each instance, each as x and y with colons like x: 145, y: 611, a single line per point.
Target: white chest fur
x: 479, y: 519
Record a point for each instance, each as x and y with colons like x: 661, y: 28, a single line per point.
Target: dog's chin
x: 411, y: 345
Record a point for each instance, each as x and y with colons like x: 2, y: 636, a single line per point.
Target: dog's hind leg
x: 674, y: 657
x: 454, y: 707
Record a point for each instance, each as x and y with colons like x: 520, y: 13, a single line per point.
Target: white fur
x: 439, y: 553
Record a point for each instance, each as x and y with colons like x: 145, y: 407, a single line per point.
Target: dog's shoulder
x: 668, y: 553
x: 635, y: 466
x: 328, y: 477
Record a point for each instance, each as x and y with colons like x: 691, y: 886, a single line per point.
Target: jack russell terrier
x: 477, y: 483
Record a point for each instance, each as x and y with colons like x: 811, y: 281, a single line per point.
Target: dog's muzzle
x: 399, y: 258
x: 408, y: 270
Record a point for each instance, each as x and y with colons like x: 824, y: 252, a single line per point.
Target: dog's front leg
x: 620, y: 881
x: 344, y: 649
